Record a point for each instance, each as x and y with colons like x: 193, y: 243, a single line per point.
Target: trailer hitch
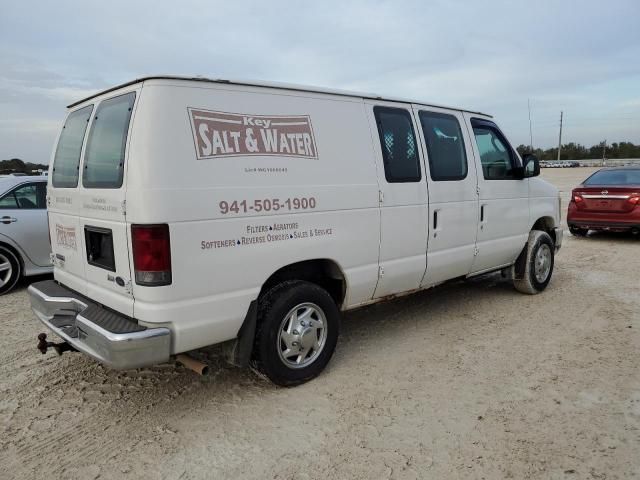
x: 60, y: 348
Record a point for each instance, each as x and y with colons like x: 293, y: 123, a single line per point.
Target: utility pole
x: 560, y: 137
x: 604, y: 152
x: 530, y: 130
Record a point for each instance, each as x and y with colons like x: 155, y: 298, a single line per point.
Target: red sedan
x: 607, y: 200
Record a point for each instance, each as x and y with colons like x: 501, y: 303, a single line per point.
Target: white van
x: 186, y: 212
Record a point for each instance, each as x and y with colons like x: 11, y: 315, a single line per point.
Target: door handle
x: 435, y: 223
x: 482, y: 213
x: 7, y: 220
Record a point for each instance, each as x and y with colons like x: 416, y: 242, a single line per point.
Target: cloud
x: 490, y: 56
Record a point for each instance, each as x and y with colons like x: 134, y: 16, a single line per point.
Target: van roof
x: 277, y: 85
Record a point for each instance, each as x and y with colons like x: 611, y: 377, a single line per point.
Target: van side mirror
x: 531, y: 165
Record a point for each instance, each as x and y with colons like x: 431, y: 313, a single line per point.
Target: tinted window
x: 495, y: 153
x: 67, y: 159
x: 104, y: 156
x: 30, y: 196
x: 398, y: 142
x: 8, y: 201
x: 445, y: 146
x: 614, y: 177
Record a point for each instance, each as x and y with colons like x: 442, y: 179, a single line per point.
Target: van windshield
x: 104, y: 157
x: 67, y: 158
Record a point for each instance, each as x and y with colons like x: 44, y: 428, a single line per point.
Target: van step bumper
x: 112, y: 339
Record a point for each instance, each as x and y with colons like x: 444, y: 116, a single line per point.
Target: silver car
x: 24, y: 235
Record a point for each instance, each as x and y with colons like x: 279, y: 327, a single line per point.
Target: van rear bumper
x: 112, y: 339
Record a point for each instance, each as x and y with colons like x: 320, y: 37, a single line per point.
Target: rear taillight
x: 151, y: 254
x: 634, y: 201
x: 577, y: 198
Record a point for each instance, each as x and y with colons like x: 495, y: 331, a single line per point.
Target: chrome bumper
x: 112, y: 339
x: 559, y: 232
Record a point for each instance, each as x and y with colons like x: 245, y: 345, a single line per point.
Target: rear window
x: 104, y: 156
x: 614, y: 177
x: 67, y: 159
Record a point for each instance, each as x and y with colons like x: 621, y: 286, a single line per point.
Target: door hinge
x: 477, y: 189
x: 124, y: 207
x: 475, y: 251
x: 48, y: 200
x: 127, y: 288
x: 380, y: 272
x: 380, y: 197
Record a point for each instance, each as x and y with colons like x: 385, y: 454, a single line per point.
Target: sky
x: 581, y: 57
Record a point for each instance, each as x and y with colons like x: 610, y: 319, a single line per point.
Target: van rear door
x: 63, y: 201
x: 101, y: 234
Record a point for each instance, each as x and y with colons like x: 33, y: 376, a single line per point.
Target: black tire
x: 578, y: 232
x: 530, y: 283
x: 9, y: 278
x: 273, y: 308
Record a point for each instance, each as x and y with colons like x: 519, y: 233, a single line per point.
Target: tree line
x: 575, y: 151
x: 569, y: 151
x: 15, y: 165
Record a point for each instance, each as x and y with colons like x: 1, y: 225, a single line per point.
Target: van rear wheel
x: 538, y: 264
x: 297, y: 332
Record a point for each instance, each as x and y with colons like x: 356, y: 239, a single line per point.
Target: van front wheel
x: 538, y: 264
x: 297, y: 332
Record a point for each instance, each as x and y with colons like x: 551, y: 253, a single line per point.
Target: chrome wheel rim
x: 302, y: 335
x: 543, y: 263
x: 6, y: 270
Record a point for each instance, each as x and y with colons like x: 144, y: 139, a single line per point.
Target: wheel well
x: 323, y: 272
x: 16, y: 253
x: 546, y: 224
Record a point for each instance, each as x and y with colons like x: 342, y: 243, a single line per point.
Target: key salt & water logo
x: 223, y: 134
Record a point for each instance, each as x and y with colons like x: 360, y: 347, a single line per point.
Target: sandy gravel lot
x: 470, y: 380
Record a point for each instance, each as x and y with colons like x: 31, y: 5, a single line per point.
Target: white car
x: 190, y: 212
x: 24, y: 236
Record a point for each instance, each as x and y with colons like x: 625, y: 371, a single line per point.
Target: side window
x: 398, y: 142
x: 445, y: 146
x: 495, y: 153
x: 8, y: 201
x: 67, y: 158
x: 30, y: 196
x: 104, y: 156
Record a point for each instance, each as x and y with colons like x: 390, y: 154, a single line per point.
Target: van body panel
x: 251, y: 179
x: 229, y: 251
x: 543, y: 201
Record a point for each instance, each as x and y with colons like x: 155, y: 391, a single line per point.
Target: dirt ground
x: 469, y: 380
